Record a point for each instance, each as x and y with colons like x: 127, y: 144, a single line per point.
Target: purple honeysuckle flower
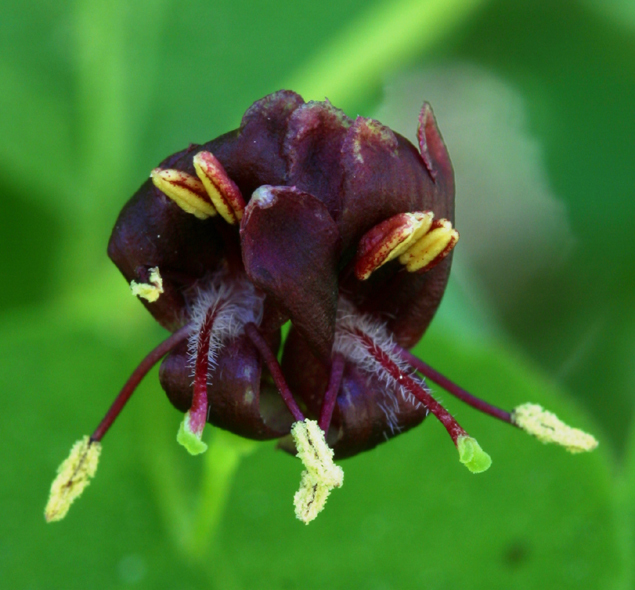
x: 341, y: 228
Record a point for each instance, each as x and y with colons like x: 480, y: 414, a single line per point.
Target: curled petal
x: 434, y: 153
x: 290, y: 248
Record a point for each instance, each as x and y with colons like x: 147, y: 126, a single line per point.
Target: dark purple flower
x: 340, y: 227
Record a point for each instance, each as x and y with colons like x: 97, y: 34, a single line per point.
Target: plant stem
x: 221, y: 462
x: 388, y: 36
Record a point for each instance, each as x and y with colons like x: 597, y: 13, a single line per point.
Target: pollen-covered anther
x: 73, y: 475
x: 222, y: 190
x: 431, y: 248
x: 185, y: 190
x: 390, y: 239
x: 151, y: 290
x: 321, y: 474
x: 548, y: 428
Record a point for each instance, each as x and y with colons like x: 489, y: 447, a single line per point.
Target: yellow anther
x: 548, y: 428
x: 73, y: 475
x: 149, y: 291
x: 390, y: 239
x: 421, y: 222
x: 321, y: 475
x: 221, y: 189
x: 431, y: 248
x: 185, y: 190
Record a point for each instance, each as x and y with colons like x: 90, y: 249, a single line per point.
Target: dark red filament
x: 330, y: 397
x: 452, y: 388
x: 275, y: 370
x: 138, y: 374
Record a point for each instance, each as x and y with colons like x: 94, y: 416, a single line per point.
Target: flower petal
x: 290, y: 249
x: 254, y: 154
x: 152, y: 231
x: 312, y: 147
x: 383, y: 175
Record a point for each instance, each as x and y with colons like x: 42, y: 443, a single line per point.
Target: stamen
x: 185, y: 190
x: 330, y: 397
x: 390, y: 239
x: 275, y: 370
x: 548, y: 428
x: 375, y: 354
x: 222, y: 190
x: 138, y: 374
x: 74, y: 474
x: 452, y: 387
x: 431, y: 248
x: 531, y: 418
x: 415, y: 238
x: 151, y: 290
x: 321, y: 475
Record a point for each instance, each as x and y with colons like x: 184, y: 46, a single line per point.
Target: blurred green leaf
x: 408, y: 514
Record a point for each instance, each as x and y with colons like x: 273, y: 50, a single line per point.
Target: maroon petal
x: 153, y: 231
x: 436, y: 158
x: 407, y: 302
x: 383, y: 175
x: 290, y: 249
x: 254, y: 154
x: 239, y: 399
x: 312, y: 146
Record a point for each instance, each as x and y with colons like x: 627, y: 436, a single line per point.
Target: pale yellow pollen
x: 548, y: 428
x: 222, y: 191
x: 430, y: 246
x: 149, y: 291
x: 185, y: 190
x: 73, y: 475
x: 321, y: 475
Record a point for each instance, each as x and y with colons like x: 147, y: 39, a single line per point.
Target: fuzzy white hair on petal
x: 234, y: 303
x: 350, y: 327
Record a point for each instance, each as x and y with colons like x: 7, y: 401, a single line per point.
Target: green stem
x: 221, y: 462
x: 389, y: 35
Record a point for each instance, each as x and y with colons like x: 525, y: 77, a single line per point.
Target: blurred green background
x: 536, y: 102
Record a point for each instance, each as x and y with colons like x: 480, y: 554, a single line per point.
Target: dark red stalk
x: 330, y: 397
x: 452, y: 388
x: 138, y: 374
x: 275, y: 370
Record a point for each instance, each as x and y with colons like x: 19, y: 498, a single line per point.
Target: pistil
x: 191, y: 429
